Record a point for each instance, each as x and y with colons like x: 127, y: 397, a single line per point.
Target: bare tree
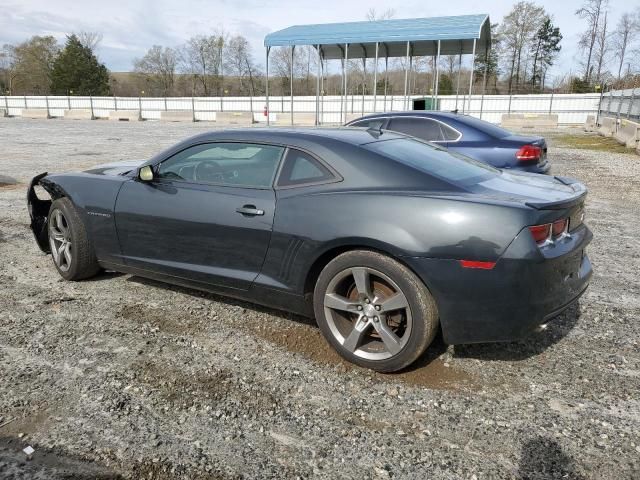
x: 602, y: 47
x: 241, y: 64
x: 281, y: 60
x: 517, y: 33
x: 592, y: 11
x: 201, y: 57
x: 373, y: 16
x: 158, y: 66
x: 624, y: 35
x: 90, y: 40
x: 8, y: 67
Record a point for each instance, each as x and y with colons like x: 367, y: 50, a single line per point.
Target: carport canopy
x: 455, y: 34
x: 410, y: 37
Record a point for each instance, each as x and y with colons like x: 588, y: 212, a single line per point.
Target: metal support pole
x: 406, y: 76
x: 599, y: 106
x: 6, y: 106
x: 91, y: 106
x: 115, y: 103
x: 165, y: 103
x: 484, y: 79
x: 375, y: 79
x: 458, y: 82
x: 364, y: 77
x: 473, y: 62
x: 68, y: 102
x: 193, y: 109
x: 620, y: 103
x: 318, y: 87
x: 551, y: 102
x: 346, y: 79
x: 342, y: 100
x: 293, y: 47
x: 322, y: 89
x: 25, y: 102
x: 267, y: 84
x: 46, y: 99
x: 386, y: 80
x: 437, y: 77
x: 139, y: 108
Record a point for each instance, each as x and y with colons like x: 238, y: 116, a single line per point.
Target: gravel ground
x: 121, y: 377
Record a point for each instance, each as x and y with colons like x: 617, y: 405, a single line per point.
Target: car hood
x: 116, y: 168
x: 540, y: 191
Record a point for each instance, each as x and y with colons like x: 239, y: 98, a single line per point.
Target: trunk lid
x: 542, y: 192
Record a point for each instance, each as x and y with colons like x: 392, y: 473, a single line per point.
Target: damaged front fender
x: 39, y: 213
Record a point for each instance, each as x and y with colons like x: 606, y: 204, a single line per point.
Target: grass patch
x: 590, y: 142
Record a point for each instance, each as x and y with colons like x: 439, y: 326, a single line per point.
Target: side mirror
x: 145, y: 174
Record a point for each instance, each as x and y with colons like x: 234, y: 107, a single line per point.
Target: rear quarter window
x: 440, y: 163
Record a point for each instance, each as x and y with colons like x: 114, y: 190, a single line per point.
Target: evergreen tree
x: 544, y: 50
x: 77, y: 69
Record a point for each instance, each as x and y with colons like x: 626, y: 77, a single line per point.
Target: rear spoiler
x: 580, y: 193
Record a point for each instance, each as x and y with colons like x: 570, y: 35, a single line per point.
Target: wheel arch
x: 323, y: 259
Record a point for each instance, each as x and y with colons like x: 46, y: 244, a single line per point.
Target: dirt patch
x: 590, y: 141
x: 429, y: 371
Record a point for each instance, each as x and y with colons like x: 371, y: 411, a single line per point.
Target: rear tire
x: 71, y: 250
x: 374, y: 311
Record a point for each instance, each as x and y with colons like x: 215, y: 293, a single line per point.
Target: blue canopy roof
x: 455, y: 33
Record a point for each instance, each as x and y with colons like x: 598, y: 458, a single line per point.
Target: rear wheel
x: 71, y: 249
x: 374, y: 311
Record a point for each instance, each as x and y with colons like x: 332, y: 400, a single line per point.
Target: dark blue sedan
x: 467, y: 135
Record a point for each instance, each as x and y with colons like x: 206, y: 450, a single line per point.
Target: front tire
x: 71, y: 250
x: 374, y: 311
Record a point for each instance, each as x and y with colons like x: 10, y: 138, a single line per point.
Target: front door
x: 207, y: 216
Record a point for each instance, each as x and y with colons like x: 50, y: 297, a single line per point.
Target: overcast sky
x: 130, y: 27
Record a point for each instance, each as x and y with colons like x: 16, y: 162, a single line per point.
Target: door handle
x: 250, y: 210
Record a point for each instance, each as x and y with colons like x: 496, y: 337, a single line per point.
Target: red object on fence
x: 265, y: 112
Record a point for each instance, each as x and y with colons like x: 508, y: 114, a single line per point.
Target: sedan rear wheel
x: 374, y: 311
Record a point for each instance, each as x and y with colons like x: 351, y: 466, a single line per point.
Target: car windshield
x: 485, y: 127
x: 446, y: 165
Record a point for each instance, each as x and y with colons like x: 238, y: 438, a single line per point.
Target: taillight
x: 541, y: 233
x: 547, y: 233
x: 559, y: 227
x: 529, y: 153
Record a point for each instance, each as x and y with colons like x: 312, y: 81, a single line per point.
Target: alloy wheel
x: 60, y: 240
x: 368, y: 313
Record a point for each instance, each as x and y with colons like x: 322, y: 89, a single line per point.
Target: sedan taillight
x: 529, y: 153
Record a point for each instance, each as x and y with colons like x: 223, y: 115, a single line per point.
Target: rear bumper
x: 544, y: 168
x: 510, y: 301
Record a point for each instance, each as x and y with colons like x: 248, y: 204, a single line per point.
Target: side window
x: 300, y: 168
x: 422, y: 128
x: 450, y: 135
x: 375, y: 123
x: 241, y: 164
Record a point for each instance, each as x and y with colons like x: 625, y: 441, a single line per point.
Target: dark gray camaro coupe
x: 380, y: 236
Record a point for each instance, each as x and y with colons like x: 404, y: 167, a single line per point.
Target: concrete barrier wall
x: 234, y: 118
x: 124, y: 115
x: 78, y: 115
x: 34, y: 113
x: 176, y: 116
x: 590, y: 124
x: 628, y: 133
x: 299, y: 118
x: 607, y: 126
x: 529, y: 120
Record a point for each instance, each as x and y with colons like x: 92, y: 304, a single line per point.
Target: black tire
x: 83, y: 263
x: 420, y: 310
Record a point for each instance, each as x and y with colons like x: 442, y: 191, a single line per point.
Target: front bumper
x: 510, y: 301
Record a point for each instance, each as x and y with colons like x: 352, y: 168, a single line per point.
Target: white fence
x: 570, y: 108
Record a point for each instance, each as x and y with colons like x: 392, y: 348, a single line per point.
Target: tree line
x: 525, y: 45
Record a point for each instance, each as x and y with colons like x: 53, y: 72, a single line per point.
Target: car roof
x: 286, y: 135
x: 416, y: 113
